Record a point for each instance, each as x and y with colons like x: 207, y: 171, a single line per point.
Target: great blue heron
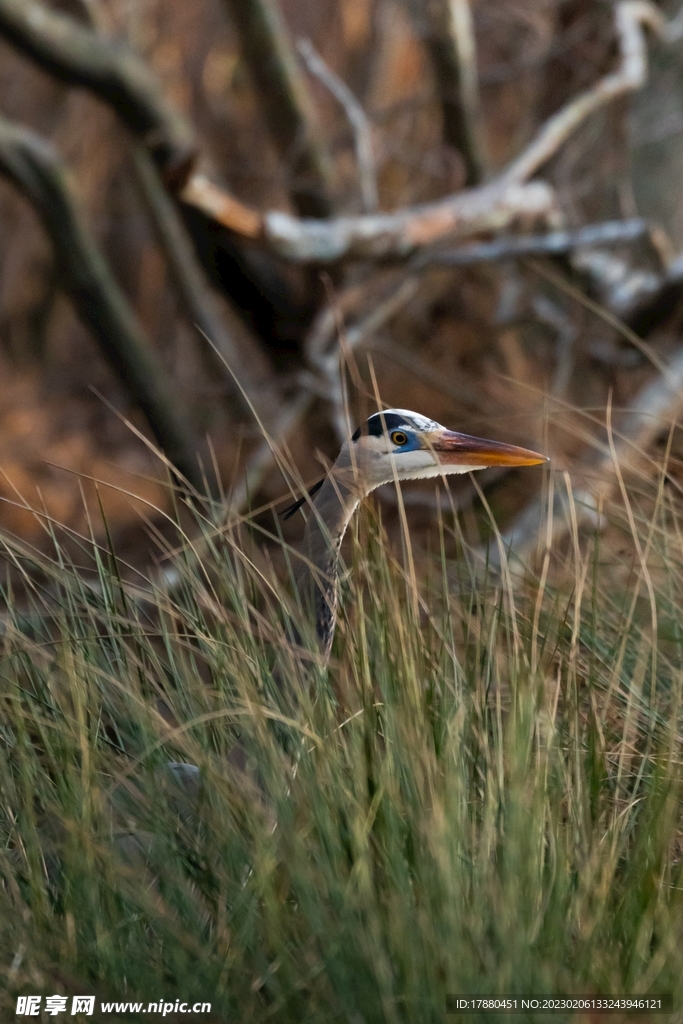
x: 391, y: 446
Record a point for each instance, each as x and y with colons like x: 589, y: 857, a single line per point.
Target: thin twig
x: 328, y: 364
x: 554, y: 243
x: 36, y: 170
x: 360, y: 125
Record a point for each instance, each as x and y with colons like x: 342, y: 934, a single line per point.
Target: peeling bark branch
x: 37, y: 172
x: 213, y: 201
x: 79, y: 56
x: 383, y: 236
x: 398, y: 235
x: 286, y: 104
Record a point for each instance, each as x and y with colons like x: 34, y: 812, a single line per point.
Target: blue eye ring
x: 399, y: 438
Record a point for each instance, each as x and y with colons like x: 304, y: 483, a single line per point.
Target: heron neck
x: 318, y: 577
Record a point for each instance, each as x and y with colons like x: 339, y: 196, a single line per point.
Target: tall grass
x: 482, y: 794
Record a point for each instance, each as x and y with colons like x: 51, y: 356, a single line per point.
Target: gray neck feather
x: 318, y: 575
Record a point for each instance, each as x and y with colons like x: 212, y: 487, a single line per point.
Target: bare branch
x: 452, y: 46
x: 397, y: 235
x: 79, y: 56
x: 287, y: 106
x: 492, y: 207
x: 510, y: 200
x: 36, y: 170
x: 370, y: 306
x: 362, y: 129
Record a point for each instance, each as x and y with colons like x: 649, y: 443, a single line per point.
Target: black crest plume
x: 288, y: 512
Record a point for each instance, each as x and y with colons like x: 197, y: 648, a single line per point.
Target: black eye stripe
x: 375, y: 426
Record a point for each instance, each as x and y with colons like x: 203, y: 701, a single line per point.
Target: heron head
x: 403, y: 445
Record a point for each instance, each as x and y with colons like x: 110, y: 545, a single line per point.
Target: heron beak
x: 454, y: 449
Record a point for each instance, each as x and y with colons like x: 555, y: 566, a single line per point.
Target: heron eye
x: 399, y: 438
